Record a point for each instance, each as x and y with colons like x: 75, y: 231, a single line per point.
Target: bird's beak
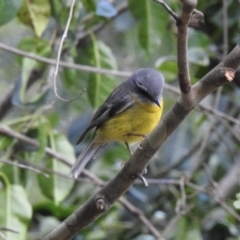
x: 157, y: 102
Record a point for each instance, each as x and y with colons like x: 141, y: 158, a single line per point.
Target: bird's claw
x: 143, y: 179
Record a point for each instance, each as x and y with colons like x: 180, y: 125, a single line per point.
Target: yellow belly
x: 138, y: 119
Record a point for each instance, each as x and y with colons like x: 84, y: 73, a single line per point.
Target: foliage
x: 101, y: 35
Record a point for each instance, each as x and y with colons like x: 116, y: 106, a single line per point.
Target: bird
x: 129, y: 113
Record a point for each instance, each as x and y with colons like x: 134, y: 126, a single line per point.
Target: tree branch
x: 135, y: 211
x: 182, y: 44
x: 64, y: 64
x: 90, y: 210
x: 100, y: 203
x: 169, y: 10
x: 59, y: 53
x: 24, y: 166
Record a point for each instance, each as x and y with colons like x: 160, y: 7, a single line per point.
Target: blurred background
x: 36, y: 193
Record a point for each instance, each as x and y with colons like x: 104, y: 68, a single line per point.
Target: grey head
x: 148, y: 84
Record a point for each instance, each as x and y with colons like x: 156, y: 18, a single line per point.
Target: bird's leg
x: 139, y: 175
x: 129, y: 149
x: 142, y: 178
x: 138, y: 135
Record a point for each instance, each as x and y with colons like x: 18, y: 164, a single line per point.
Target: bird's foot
x: 138, y: 135
x: 142, y: 178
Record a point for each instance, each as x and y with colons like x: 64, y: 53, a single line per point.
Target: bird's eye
x: 142, y: 88
x: 140, y: 85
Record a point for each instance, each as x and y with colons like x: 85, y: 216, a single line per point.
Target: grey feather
x: 118, y: 101
x: 83, y: 159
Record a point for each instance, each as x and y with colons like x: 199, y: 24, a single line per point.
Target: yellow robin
x: 131, y: 111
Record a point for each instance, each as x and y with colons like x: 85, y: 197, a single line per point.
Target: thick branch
x: 89, y: 211
x: 182, y: 42
x: 100, y: 202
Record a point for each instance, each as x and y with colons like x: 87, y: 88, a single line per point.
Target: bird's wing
x: 118, y: 101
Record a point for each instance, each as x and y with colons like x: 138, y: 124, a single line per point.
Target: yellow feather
x: 140, y: 118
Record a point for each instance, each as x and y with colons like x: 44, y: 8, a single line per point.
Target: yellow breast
x: 140, y: 118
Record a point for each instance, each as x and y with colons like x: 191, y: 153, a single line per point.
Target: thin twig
x: 219, y: 114
x: 181, y: 160
x: 198, y: 158
x: 9, y: 230
x: 209, y: 175
x: 169, y: 10
x: 16, y: 135
x: 172, y: 223
x: 230, y: 129
x: 24, y: 167
x: 64, y: 64
x: 141, y: 217
x: 59, y: 55
x: 217, y: 194
x: 181, y: 203
x: 6, y: 229
x: 227, y: 207
x: 2, y: 236
x: 221, y: 139
x: 50, y: 171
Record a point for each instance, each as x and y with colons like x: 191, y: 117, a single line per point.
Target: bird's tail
x: 83, y: 159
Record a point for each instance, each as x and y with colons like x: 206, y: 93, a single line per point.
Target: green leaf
x: 60, y: 211
x: 168, y: 67
x: 35, y: 13
x: 89, y: 5
x: 4, y: 142
x: 56, y: 7
x: 69, y: 75
x: 43, y: 129
x: 35, y: 45
x: 99, y: 85
x: 153, y: 21
x: 16, y: 210
x: 198, y: 56
x: 200, y: 39
x: 56, y: 187
x: 28, y: 66
x: 236, y: 203
x: 40, y: 47
x: 8, y: 10
x: 35, y: 96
